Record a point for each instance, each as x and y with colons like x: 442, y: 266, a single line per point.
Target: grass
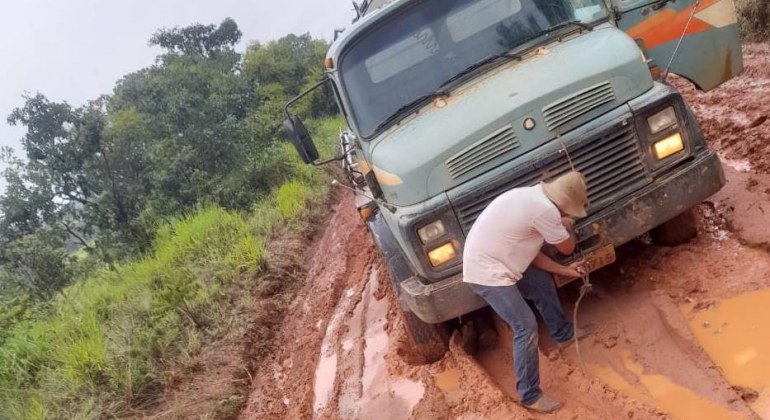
x: 110, y: 344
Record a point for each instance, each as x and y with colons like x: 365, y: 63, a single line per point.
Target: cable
x: 585, y: 288
x: 681, y: 38
x: 564, y: 147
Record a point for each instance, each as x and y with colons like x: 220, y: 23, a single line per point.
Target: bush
x: 111, y: 341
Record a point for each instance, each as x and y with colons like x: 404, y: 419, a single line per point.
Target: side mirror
x: 300, y: 138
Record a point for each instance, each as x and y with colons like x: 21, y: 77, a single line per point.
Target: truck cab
x: 450, y: 103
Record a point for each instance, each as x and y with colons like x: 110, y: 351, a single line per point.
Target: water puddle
x: 382, y: 398
x: 356, y: 368
x: 324, y: 382
x: 375, y: 337
x: 739, y: 165
x: 326, y: 370
x: 736, y: 335
x: 410, y: 392
x: 675, y: 400
x: 448, y: 380
x: 352, y: 356
x: 678, y: 401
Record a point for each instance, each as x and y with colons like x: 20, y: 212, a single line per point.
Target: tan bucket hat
x: 569, y: 193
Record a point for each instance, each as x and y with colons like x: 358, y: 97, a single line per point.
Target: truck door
x: 710, y: 52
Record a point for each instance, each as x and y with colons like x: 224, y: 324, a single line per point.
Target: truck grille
x: 573, y: 106
x: 496, y: 144
x: 612, y: 165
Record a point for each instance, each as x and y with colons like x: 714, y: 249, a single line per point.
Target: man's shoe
x: 544, y: 405
x: 581, y: 333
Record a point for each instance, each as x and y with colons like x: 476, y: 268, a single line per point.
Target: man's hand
x: 577, y: 268
x: 568, y: 222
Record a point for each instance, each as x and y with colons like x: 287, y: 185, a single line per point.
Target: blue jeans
x: 509, y: 303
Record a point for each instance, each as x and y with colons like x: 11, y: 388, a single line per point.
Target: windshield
x: 413, y: 53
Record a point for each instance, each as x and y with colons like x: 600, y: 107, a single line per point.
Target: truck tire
x: 426, y: 343
x: 676, y: 231
x: 420, y: 343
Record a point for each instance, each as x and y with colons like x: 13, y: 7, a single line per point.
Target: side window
x: 338, y: 99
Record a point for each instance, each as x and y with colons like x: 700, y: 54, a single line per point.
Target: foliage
x: 108, y: 344
x: 199, y: 40
x: 201, y: 126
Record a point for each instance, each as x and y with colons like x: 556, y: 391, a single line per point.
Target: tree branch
x: 76, y: 198
x: 78, y: 237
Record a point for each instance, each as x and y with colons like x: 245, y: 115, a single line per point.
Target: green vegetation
x: 109, y: 342
x: 754, y: 19
x: 201, y: 125
x: 137, y: 230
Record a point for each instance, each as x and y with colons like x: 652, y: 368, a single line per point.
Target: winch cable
x: 585, y: 288
x: 681, y: 38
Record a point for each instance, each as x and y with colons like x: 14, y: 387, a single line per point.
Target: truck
x: 449, y: 103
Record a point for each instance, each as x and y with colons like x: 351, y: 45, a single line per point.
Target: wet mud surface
x: 682, y: 333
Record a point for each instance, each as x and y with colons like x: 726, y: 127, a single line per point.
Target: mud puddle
x: 660, y: 391
x: 735, y: 333
x: 642, y: 360
x: 352, y: 379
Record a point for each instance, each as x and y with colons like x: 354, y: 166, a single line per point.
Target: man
x: 504, y: 264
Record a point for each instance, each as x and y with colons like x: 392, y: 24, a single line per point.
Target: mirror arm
x: 334, y: 159
x: 302, y: 95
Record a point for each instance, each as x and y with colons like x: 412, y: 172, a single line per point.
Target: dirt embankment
x: 681, y: 331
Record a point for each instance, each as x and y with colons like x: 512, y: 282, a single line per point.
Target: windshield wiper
x: 570, y: 23
x: 477, y: 65
x: 410, y: 107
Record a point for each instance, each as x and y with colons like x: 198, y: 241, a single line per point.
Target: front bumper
x: 660, y: 201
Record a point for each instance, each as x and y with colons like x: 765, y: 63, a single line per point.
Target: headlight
x: 442, y: 254
x: 432, y: 231
x: 668, y: 146
x: 662, y: 120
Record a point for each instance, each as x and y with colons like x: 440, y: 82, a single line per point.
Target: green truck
x: 449, y: 103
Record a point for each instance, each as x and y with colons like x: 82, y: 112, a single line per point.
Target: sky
x: 75, y: 50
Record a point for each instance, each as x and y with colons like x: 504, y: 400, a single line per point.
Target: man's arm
x: 567, y: 246
x: 545, y: 263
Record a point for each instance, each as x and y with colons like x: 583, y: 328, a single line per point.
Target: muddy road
x: 683, y: 333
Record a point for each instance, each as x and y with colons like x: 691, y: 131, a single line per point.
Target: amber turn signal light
x: 655, y: 72
x: 366, y: 212
x: 442, y: 254
x: 668, y: 146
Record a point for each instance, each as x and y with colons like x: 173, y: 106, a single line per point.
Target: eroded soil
x: 682, y: 332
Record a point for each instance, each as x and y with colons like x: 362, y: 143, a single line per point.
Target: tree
x: 36, y: 264
x: 282, y: 69
x: 200, y: 125
x: 206, y: 41
x: 288, y: 61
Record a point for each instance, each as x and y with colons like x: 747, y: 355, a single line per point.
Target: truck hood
x: 481, y: 124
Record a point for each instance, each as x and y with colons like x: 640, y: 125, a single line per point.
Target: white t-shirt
x: 509, y: 234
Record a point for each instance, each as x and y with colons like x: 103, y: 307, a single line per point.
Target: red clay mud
x: 336, y: 354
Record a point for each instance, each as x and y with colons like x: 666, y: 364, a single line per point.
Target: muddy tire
x: 425, y: 343
x: 676, y: 231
